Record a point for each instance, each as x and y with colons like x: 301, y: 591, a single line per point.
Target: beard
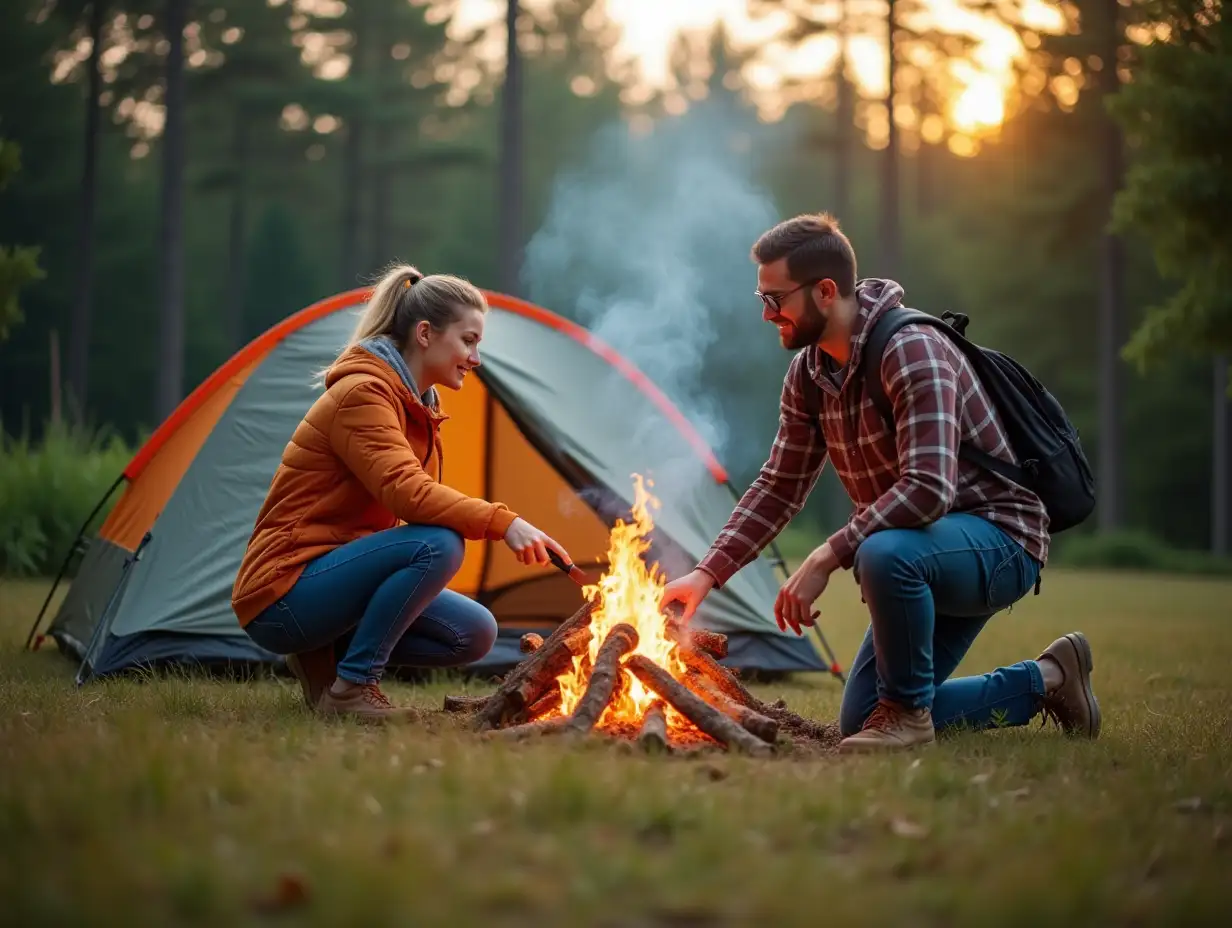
x: 807, y: 331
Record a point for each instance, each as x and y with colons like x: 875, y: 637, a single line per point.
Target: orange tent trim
x: 265, y: 342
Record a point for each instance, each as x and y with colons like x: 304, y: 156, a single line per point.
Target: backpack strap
x: 952, y: 324
x: 888, y: 323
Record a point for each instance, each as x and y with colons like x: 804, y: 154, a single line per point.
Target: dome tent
x: 553, y: 423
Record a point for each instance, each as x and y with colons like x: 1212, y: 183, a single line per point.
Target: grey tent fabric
x: 585, y: 417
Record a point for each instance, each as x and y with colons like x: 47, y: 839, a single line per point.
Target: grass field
x: 189, y: 801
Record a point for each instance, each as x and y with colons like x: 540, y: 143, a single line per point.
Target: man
x: 937, y: 545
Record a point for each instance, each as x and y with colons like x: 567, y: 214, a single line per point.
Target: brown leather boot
x: 314, y: 670
x: 891, y: 727
x: 1073, y: 704
x: 364, y: 701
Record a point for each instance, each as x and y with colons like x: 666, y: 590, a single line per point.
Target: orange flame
x: 628, y: 592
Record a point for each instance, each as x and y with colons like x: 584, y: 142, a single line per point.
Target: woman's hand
x: 531, y: 545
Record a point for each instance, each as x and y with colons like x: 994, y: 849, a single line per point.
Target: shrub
x: 1135, y: 550
x: 48, y: 489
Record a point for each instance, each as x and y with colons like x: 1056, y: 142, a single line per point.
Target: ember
x: 622, y: 668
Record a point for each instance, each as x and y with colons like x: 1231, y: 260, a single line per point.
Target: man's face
x: 792, y: 306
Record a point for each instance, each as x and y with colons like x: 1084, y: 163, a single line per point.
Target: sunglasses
x: 774, y: 301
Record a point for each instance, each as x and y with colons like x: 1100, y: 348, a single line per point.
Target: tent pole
x: 38, y: 620
x: 85, y: 671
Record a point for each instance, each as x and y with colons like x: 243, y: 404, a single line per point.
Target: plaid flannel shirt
x: 904, y: 478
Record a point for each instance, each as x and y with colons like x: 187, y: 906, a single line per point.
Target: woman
x: 357, y: 531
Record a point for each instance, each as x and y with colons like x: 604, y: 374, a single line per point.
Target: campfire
x: 620, y: 667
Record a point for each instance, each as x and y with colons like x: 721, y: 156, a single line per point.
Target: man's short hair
x: 814, y: 247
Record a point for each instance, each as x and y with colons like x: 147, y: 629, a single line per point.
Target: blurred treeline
x: 303, y: 176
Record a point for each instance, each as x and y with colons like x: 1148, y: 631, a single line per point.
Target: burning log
x: 653, y: 736
x: 700, y: 639
x: 546, y: 704
x: 709, y: 719
x: 531, y: 678
x: 530, y: 643
x: 718, y: 676
x: 752, y: 721
x: 555, y: 725
x: 604, y: 677
x: 465, y: 703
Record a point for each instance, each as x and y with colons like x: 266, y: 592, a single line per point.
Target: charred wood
x: 604, y: 677
x: 705, y: 716
x: 512, y: 696
x: 653, y: 734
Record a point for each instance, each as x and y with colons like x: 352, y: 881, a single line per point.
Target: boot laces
x: 374, y: 697
x: 882, y: 718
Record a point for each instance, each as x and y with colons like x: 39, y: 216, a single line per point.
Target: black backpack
x: 1053, y: 465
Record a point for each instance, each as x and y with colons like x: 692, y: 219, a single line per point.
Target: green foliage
x: 1138, y: 551
x: 18, y: 266
x: 48, y: 489
x: 1178, y: 191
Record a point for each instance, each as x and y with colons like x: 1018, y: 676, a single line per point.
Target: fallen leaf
x: 905, y: 828
x: 1153, y: 678
x: 483, y: 827
x: 713, y: 772
x: 518, y: 798
x: 371, y: 804
x: 1020, y: 793
x: 914, y: 764
x: 395, y: 761
x: 1189, y: 804
x: 436, y: 763
x: 291, y: 891
x: 419, y: 768
x: 1153, y: 863
x: 980, y: 779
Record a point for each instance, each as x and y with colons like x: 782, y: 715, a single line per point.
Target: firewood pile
x: 695, y: 703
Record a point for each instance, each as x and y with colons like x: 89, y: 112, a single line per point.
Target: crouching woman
x: 357, y: 532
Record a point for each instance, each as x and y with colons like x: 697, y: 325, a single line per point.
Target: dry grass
x: 189, y: 801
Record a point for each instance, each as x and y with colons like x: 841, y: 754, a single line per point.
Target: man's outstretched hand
x: 794, y: 606
x: 689, y: 591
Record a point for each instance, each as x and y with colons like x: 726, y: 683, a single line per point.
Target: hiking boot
x: 314, y: 670
x: 364, y: 701
x: 1072, y: 704
x: 890, y: 727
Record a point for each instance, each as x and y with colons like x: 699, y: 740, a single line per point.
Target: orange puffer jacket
x: 365, y: 458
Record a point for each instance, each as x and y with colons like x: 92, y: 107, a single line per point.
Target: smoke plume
x: 646, y: 244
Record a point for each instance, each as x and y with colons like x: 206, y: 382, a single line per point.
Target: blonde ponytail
x: 379, y: 316
x: 404, y: 296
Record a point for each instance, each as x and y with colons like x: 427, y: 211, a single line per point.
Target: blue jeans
x: 389, y: 587
x: 930, y: 591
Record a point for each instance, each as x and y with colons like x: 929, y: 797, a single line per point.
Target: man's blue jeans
x: 389, y: 587
x: 930, y: 591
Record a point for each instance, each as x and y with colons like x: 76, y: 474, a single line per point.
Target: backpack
x: 1053, y: 465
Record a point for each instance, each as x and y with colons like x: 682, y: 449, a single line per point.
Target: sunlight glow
x: 980, y: 85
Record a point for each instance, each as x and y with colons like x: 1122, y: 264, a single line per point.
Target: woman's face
x: 451, y: 354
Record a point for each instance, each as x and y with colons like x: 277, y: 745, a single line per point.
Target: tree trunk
x: 1221, y: 459
x: 352, y: 158
x: 171, y: 294
x: 891, y: 244
x: 1111, y: 301
x: 79, y: 328
x: 511, y: 158
x: 844, y: 123
x: 237, y: 233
